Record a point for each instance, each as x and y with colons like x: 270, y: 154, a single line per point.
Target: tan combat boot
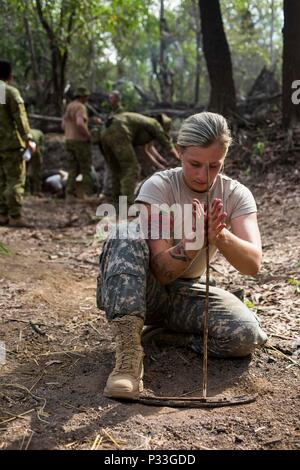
x: 125, y: 381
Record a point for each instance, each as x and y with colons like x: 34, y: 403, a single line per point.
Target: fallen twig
x: 50, y: 353
x: 39, y: 411
x: 281, y: 336
x: 29, y: 440
x: 37, y: 381
x: 95, y: 329
x: 98, y: 440
x: 296, y: 363
x: 21, y: 415
x: 20, y: 321
x: 111, y: 439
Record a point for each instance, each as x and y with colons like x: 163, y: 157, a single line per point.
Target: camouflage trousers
x: 12, y: 181
x: 34, y: 173
x: 122, y: 161
x: 126, y: 286
x: 79, y: 156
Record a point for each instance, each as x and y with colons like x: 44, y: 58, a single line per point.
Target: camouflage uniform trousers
x: 12, y: 182
x: 121, y: 158
x: 34, y: 173
x: 79, y: 158
x: 126, y: 286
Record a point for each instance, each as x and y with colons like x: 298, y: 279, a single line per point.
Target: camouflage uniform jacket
x: 14, y: 125
x: 142, y: 129
x: 38, y: 138
x: 119, y: 109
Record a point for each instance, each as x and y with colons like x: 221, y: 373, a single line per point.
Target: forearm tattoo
x: 179, y: 252
x: 159, y: 266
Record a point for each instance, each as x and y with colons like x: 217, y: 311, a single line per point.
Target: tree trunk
x: 272, y: 34
x: 34, y: 65
x: 58, y: 74
x: 93, y: 56
x: 59, y: 55
x: 218, y: 58
x: 121, y: 73
x: 153, y: 76
x: 198, y: 53
x: 291, y: 62
x: 165, y: 76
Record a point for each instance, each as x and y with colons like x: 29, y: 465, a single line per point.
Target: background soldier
x: 78, y: 142
x: 126, y: 131
x: 114, y: 99
x: 15, y: 137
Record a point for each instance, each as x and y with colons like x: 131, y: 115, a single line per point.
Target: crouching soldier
x: 124, y: 132
x: 155, y: 281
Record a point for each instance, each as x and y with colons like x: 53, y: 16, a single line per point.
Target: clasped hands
x: 214, y: 215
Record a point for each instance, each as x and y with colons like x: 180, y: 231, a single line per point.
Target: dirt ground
x: 59, y: 350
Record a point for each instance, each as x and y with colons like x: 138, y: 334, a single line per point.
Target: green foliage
x: 259, y: 148
x: 296, y: 283
x: 249, y: 304
x: 247, y: 171
x: 114, y: 40
x: 4, y: 249
x: 130, y: 97
x: 253, y: 42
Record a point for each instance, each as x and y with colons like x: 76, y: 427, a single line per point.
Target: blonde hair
x: 204, y: 129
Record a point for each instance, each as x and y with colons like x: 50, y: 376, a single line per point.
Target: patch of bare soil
x: 59, y: 350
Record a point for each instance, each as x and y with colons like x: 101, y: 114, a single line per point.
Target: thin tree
x: 59, y: 49
x: 34, y: 64
x: 196, y: 15
x: 218, y: 58
x: 165, y: 75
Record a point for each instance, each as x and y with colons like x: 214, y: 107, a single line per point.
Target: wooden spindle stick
x: 205, y: 315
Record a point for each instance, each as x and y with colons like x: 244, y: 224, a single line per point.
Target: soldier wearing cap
x: 118, y: 140
x: 114, y: 99
x: 78, y: 142
x: 15, y: 137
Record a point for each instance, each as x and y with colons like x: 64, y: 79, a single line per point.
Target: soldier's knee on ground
x: 244, y: 341
x: 240, y: 342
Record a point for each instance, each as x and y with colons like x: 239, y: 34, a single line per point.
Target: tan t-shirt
x: 74, y: 110
x: 169, y: 187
